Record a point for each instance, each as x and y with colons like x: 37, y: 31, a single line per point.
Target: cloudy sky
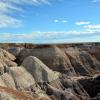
x: 49, y: 21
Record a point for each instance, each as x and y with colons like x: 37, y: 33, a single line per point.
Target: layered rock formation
x: 50, y: 72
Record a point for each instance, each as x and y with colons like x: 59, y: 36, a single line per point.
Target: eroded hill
x: 50, y: 72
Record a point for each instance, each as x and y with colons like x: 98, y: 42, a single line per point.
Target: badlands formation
x: 50, y: 72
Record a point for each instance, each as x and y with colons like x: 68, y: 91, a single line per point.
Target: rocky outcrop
x: 52, y: 56
x: 10, y: 94
x: 51, y: 72
x: 52, y: 82
x: 6, y: 60
x: 21, y: 77
x: 8, y: 80
x: 2, y: 83
x: 91, y: 85
x: 67, y: 60
x: 83, y: 62
x: 40, y: 71
x: 6, y: 55
x: 15, y: 50
x: 15, y: 78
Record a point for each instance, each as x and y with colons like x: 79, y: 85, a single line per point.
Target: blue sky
x: 49, y: 21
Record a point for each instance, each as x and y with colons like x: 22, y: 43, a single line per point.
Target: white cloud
x: 64, y: 21
x: 92, y: 26
x: 7, y: 21
x: 96, y: 1
x: 82, y: 23
x: 60, y: 21
x: 48, y: 37
x: 32, y: 2
x: 94, y: 31
x: 8, y: 7
x: 56, y: 21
